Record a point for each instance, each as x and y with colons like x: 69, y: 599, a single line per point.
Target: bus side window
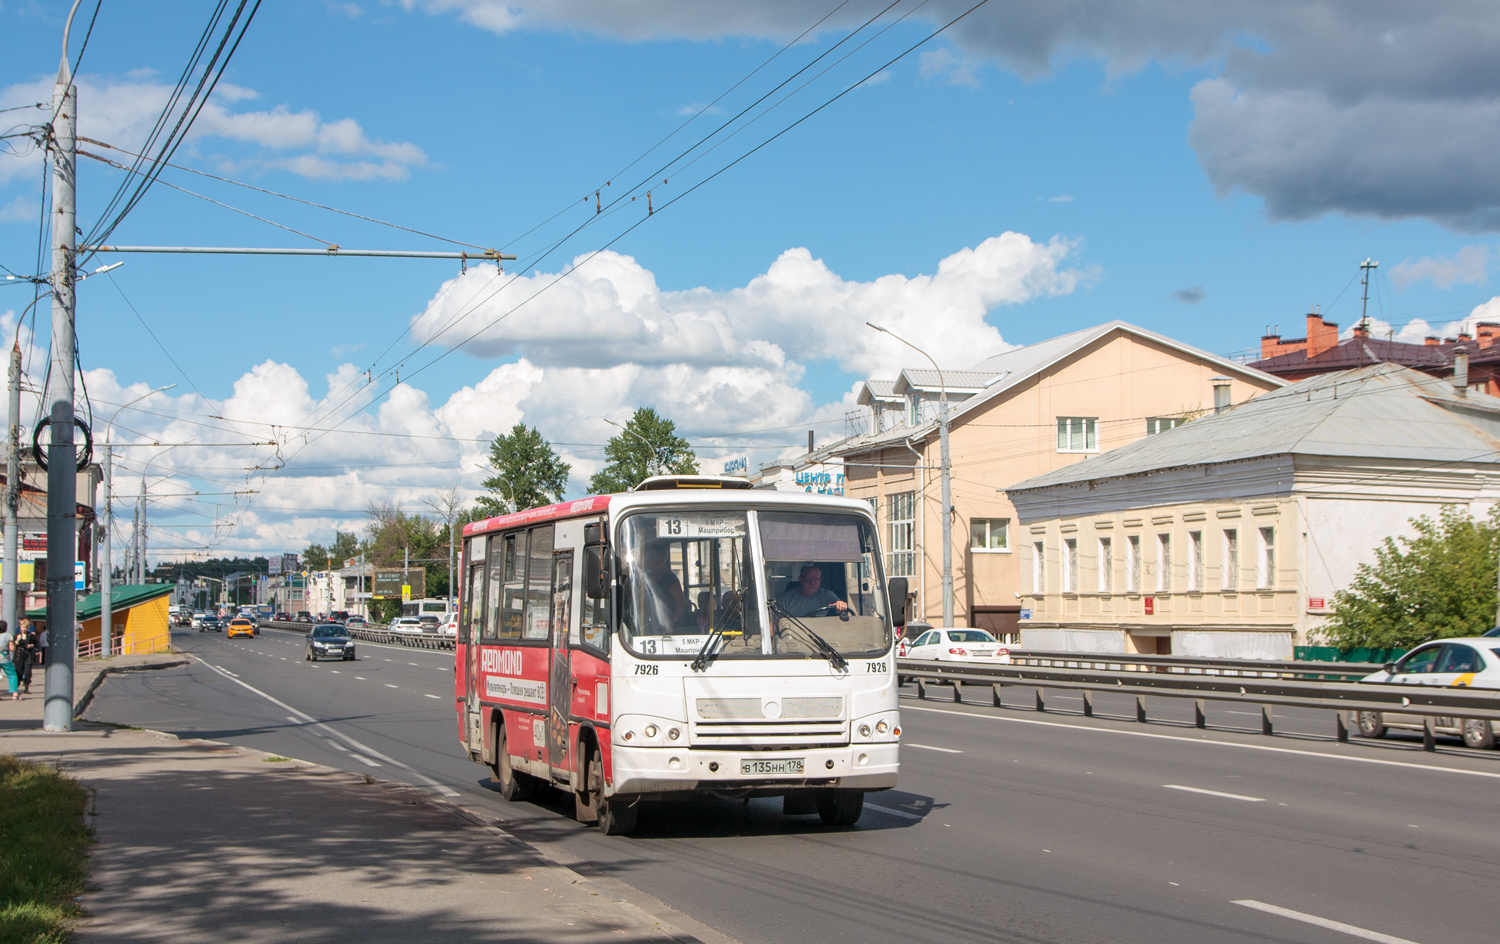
x: 539, y: 584
x: 473, y: 604
x: 502, y: 549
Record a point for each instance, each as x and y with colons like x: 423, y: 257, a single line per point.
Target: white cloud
x: 22, y: 209
x: 121, y: 112
x: 1418, y: 329
x: 1470, y: 265
x: 946, y: 64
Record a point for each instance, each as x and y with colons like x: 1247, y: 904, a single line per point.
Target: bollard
x: 958, y: 692
x: 1429, y: 742
x: 1266, y: 727
x: 1343, y: 729
x: 998, y: 702
x: 1140, y: 708
x: 1200, y: 713
x: 1088, y: 704
x: 1041, y: 700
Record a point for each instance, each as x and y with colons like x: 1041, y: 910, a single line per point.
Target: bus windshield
x: 688, y: 576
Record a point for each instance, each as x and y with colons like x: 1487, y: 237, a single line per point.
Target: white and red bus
x: 693, y: 636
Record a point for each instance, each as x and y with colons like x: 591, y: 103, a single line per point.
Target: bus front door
x: 560, y: 674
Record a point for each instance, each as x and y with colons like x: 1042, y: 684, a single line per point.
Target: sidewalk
x: 88, y: 674
x: 199, y: 840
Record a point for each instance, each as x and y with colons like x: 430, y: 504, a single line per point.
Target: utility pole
x: 144, y: 536
x: 1364, y: 308
x: 106, y: 573
x: 452, y: 559
x: 946, y: 476
x: 62, y: 461
x: 12, y: 608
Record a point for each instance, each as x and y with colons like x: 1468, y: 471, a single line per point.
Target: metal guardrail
x: 1286, y: 691
x: 410, y: 640
x: 1194, y: 665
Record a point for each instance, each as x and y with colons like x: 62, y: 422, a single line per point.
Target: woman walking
x: 25, y: 655
x: 7, y: 660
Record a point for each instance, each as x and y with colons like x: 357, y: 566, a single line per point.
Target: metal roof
x: 1380, y: 411
x: 957, y: 381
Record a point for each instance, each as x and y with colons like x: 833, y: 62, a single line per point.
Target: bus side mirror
x: 593, y: 534
x: 593, y: 573
x: 896, y: 587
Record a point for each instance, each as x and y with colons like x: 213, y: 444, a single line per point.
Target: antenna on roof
x: 1364, y: 308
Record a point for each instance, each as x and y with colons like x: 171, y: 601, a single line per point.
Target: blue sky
x: 1244, y: 158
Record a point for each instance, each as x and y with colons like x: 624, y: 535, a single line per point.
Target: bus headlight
x: 673, y: 734
x: 864, y: 730
x: 650, y: 730
x: 880, y: 727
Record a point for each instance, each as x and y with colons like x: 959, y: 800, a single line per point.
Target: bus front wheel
x: 514, y: 786
x: 617, y: 818
x: 840, y: 807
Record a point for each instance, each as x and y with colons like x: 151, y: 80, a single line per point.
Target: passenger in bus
x: 666, y: 604
x: 807, y: 596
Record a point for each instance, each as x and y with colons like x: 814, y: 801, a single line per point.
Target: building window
x: 989, y: 534
x: 1106, y: 565
x: 1038, y: 568
x: 1133, y: 563
x: 1265, y: 571
x: 1160, y: 424
x: 1164, y: 563
x: 901, y: 529
x: 1070, y: 565
x: 1195, y: 560
x: 1077, y: 434
x: 1231, y: 559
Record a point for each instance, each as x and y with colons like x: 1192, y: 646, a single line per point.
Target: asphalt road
x: 1008, y: 825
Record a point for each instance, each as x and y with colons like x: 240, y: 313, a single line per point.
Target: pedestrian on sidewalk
x: 7, y: 660
x: 27, y: 648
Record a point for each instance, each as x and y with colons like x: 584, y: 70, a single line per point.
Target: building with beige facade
x: 1039, y: 408
x: 1230, y: 535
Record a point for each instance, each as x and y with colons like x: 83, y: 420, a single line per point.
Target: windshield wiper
x: 838, y: 662
x: 701, y: 663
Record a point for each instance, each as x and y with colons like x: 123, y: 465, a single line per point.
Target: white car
x: 1448, y: 663
x: 407, y: 626
x: 450, y: 625
x: 947, y: 644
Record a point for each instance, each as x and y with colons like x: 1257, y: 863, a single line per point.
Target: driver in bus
x: 667, y: 604
x: 807, y: 596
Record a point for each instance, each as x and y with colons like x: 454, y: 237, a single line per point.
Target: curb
x: 102, y: 672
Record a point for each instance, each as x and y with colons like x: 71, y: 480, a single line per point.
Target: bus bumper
x: 654, y: 770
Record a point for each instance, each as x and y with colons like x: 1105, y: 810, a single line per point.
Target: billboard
x: 393, y: 583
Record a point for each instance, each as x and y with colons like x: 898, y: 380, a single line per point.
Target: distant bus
x: 429, y: 607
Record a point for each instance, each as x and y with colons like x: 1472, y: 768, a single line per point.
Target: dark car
x: 329, y: 641
x: 1493, y: 632
x: 304, y: 617
x: 430, y: 623
x: 282, y: 617
x: 211, y: 623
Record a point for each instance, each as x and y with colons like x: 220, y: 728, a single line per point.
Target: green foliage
x: 317, y: 557
x: 1439, y: 583
x: 648, y: 445
x: 45, y: 858
x: 528, y: 473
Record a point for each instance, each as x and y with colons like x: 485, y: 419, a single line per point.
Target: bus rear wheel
x: 514, y: 785
x: 840, y: 807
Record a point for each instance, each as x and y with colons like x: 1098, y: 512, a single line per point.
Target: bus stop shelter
x: 139, y: 614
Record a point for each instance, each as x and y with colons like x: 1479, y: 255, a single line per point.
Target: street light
x: 947, y: 476
x: 106, y: 575
x: 657, y: 466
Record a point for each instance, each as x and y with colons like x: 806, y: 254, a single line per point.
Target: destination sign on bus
x: 700, y: 526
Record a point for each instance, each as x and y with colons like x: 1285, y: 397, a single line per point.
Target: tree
x: 527, y: 472
x: 394, y: 538
x: 315, y: 557
x: 1441, y: 582
x: 647, y: 445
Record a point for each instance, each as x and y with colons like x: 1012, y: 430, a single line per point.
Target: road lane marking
x: 1208, y: 741
x: 389, y: 685
x: 335, y: 671
x: 885, y: 809
x: 1331, y: 925
x: 425, y: 695
x: 361, y: 678
x: 1215, y: 793
x: 304, y: 717
x: 413, y: 663
x: 364, y: 759
x: 929, y: 747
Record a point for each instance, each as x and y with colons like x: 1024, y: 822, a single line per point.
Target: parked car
x: 1472, y: 662
x: 240, y: 626
x: 407, y: 625
x: 327, y: 641
x: 210, y: 623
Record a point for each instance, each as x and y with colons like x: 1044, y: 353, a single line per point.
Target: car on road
x: 1472, y: 662
x: 1494, y: 633
x: 210, y: 624
x: 338, y: 616
x: 303, y: 617
x: 239, y: 626
x: 282, y: 617
x: 407, y: 626
x: 430, y: 622
x: 910, y: 632
x: 356, y: 622
x: 948, y: 644
x: 450, y: 626
x: 329, y: 641
x: 196, y: 621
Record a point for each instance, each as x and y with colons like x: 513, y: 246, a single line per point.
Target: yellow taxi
x: 241, y: 627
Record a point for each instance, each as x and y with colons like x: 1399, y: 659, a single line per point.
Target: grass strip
x: 44, y: 845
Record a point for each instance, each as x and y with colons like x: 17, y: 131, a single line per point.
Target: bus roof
x: 692, y: 496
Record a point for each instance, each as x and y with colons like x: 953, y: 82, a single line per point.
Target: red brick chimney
x: 1431, y: 341
x: 1321, y: 335
x: 1488, y: 331
x: 1361, y: 330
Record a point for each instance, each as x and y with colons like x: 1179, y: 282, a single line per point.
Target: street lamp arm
x: 942, y: 384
